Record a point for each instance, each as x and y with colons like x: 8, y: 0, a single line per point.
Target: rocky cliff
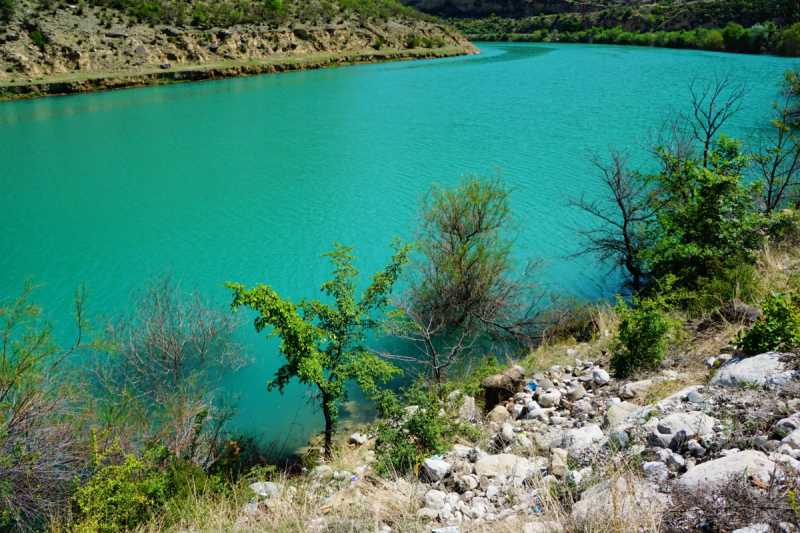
x: 81, y: 43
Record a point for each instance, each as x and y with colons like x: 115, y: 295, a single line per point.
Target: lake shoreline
x: 68, y: 85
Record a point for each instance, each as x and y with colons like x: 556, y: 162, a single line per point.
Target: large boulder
x: 715, y: 474
x: 620, y: 500
x: 733, y: 312
x: 766, y: 369
x: 500, y: 386
x: 677, y: 428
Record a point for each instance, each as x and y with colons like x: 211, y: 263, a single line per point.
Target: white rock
x: 765, y: 369
x: 322, y: 470
x: 621, y: 499
x: 600, y: 376
x: 656, y: 471
x: 546, y: 526
x: 792, y: 439
x: 436, y: 468
x: 754, y: 528
x: 435, y: 499
x: 553, y: 397
x: 494, y: 465
x: 358, y: 439
x: 582, y: 438
x: 719, y: 471
x: 265, y: 489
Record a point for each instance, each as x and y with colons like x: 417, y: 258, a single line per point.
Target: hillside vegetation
x: 762, y: 26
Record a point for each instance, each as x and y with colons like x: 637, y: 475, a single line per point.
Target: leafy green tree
x: 713, y: 226
x: 737, y: 39
x: 324, y: 344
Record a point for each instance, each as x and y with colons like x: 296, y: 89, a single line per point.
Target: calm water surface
x: 250, y: 179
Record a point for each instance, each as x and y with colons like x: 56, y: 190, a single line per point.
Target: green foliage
x: 737, y: 39
x: 642, y: 334
x: 125, y: 490
x: 789, y: 44
x: 412, y: 41
x: 777, y: 329
x: 39, y: 40
x: 324, y: 344
x: 409, y: 435
x: 7, y: 9
x: 708, y: 223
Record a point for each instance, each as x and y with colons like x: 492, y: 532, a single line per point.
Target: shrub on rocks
x: 642, y: 334
x: 777, y: 329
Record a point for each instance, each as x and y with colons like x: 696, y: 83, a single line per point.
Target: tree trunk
x: 328, y: 427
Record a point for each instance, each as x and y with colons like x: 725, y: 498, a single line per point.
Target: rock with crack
x: 676, y: 429
x: 623, y: 499
x: 631, y: 390
x: 618, y: 412
x: 717, y: 473
x: 265, y: 489
x: 765, y: 369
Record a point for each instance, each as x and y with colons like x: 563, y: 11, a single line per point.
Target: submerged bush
x: 777, y: 329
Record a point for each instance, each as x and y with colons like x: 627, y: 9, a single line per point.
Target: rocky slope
x: 77, y: 43
x: 573, y: 449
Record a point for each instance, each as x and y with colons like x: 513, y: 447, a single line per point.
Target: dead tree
x: 712, y: 104
x: 777, y: 162
x: 627, y: 204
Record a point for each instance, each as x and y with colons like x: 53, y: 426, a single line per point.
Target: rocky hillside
x: 631, y: 15
x: 570, y: 448
x: 38, y: 44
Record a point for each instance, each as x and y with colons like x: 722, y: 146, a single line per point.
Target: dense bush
x: 414, y: 429
x: 7, y: 9
x: 790, y: 42
x: 777, y: 329
x: 642, y: 334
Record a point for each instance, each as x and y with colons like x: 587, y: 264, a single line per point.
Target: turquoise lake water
x: 250, y: 179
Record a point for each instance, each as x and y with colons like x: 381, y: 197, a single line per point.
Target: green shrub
x: 408, y: 436
x: 790, y: 42
x: 7, y: 9
x: 118, y: 497
x: 641, y: 338
x: 777, y: 329
x: 413, y: 41
x: 38, y: 40
x: 713, y: 41
x: 737, y: 39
